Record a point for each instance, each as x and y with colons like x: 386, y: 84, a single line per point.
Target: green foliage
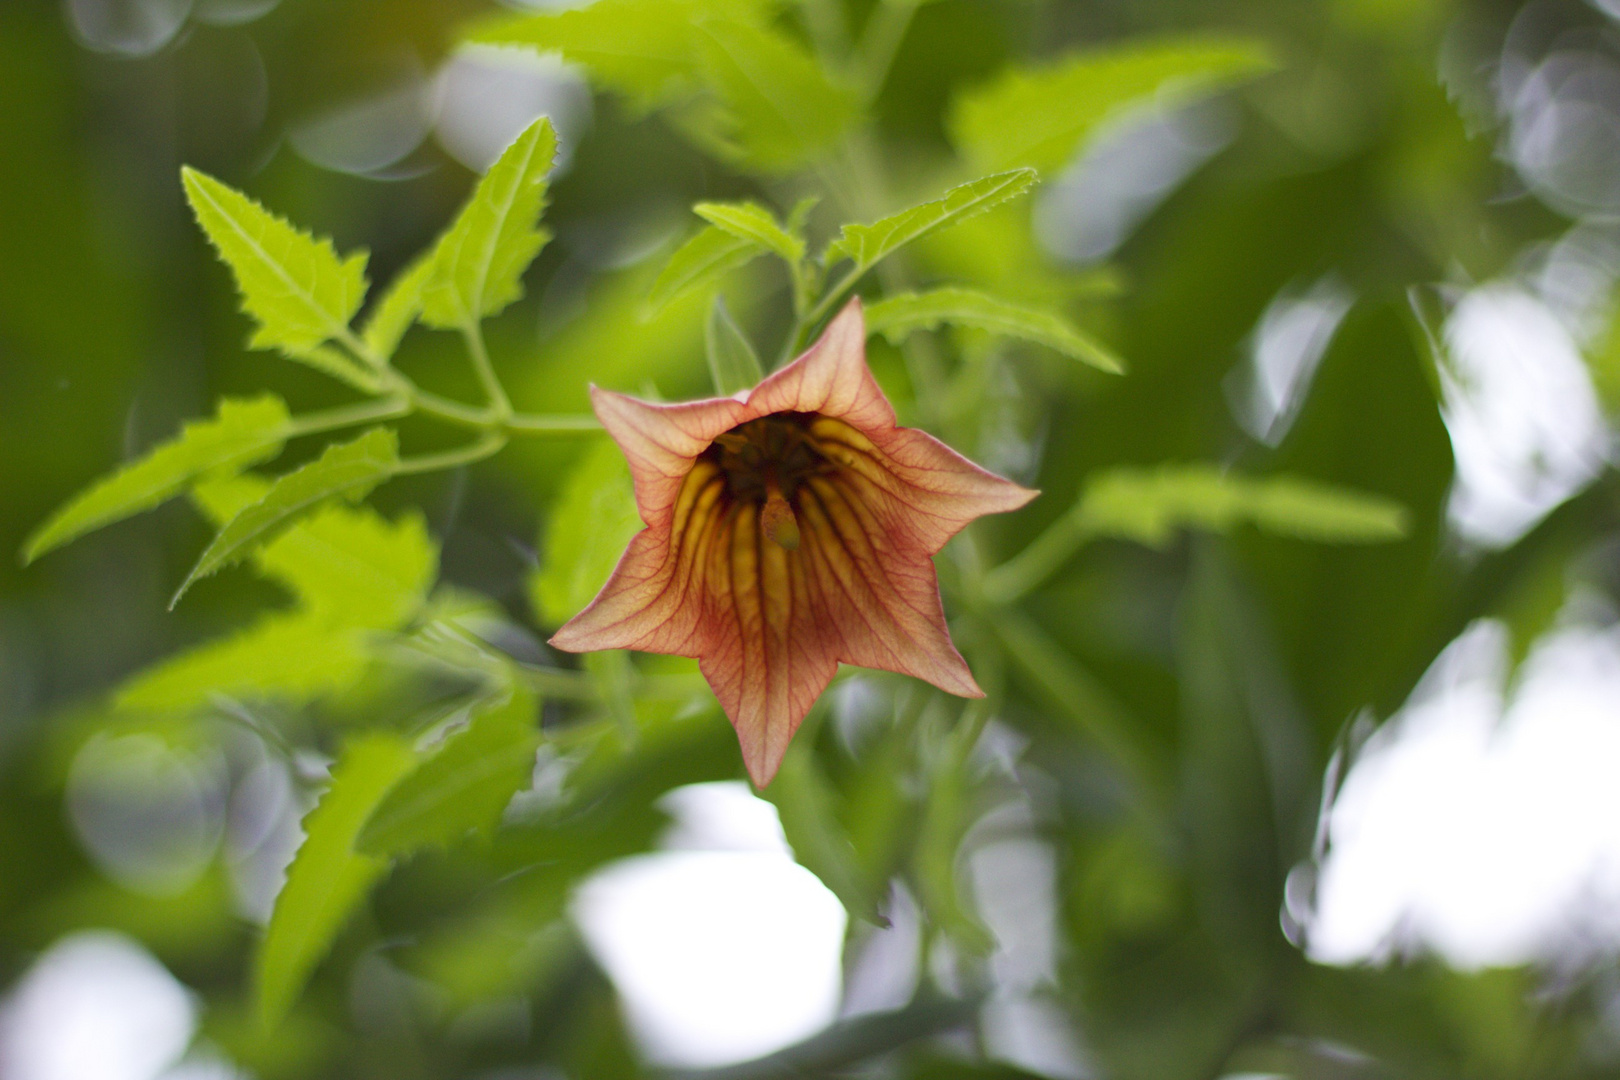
x: 294, y: 658
x: 246, y: 431
x: 1150, y: 505
x: 349, y: 470
x: 866, y: 244
x: 478, y: 264
x: 345, y: 564
x: 294, y: 285
x: 462, y: 784
x: 897, y: 317
x: 806, y: 804
x: 639, y: 48
x: 750, y: 221
x: 328, y: 879
x: 593, y: 519
x: 700, y: 261
x: 781, y: 109
x: 1041, y: 117
x: 393, y: 315
x: 733, y: 364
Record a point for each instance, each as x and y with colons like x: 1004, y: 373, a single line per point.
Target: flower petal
x: 830, y: 377
x: 661, y: 441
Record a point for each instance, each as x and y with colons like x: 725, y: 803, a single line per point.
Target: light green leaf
x: 750, y: 221
x: 699, y: 261
x: 896, y: 317
x: 733, y: 364
x: 781, y: 110
x: 1042, y: 117
x: 294, y: 657
x: 593, y: 519
x: 463, y: 785
x: 393, y: 315
x: 297, y: 288
x: 1150, y: 505
x: 327, y: 879
x: 478, y: 263
x: 245, y: 431
x: 640, y: 49
x: 349, y: 469
x: 347, y: 565
x: 866, y: 244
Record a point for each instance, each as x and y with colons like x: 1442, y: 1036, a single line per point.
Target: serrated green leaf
x: 349, y: 470
x: 750, y: 221
x: 393, y: 315
x: 327, y: 879
x: 347, y: 564
x: 1042, y: 117
x: 699, y: 261
x: 478, y: 263
x: 896, y: 317
x: 866, y: 244
x: 244, y: 432
x: 640, y: 49
x: 781, y: 109
x: 297, y: 288
x: 294, y: 657
x: 733, y: 364
x: 463, y: 785
x: 1151, y: 505
x: 592, y: 520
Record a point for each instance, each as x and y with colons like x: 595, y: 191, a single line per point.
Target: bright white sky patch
x: 1525, y: 425
x: 719, y: 955
x: 96, y: 1006
x: 1480, y: 823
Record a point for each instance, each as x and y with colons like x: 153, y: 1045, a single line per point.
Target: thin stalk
x: 493, y: 390
x: 485, y: 446
x: 552, y: 424
x: 348, y: 416
x: 885, y: 30
x: 449, y: 410
x: 1043, y: 557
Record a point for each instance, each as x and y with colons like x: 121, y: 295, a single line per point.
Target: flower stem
x: 1014, y: 578
x: 493, y: 390
x: 366, y: 412
x: 484, y: 446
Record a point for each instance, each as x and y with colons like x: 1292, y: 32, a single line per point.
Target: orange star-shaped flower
x: 789, y: 528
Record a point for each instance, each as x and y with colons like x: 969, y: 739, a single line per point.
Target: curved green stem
x: 485, y: 446
x: 552, y: 424
x: 366, y: 412
x: 493, y: 390
x: 1044, y: 556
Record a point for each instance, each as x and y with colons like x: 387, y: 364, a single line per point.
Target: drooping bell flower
x: 789, y: 528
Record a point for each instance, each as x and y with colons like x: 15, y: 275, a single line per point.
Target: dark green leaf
x: 782, y: 110
x: 733, y: 364
x: 463, y: 784
x: 327, y: 879
x: 1042, y: 116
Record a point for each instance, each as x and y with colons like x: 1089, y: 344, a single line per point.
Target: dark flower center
x: 775, y: 452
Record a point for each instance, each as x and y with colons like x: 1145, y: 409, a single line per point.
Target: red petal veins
x: 712, y: 576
